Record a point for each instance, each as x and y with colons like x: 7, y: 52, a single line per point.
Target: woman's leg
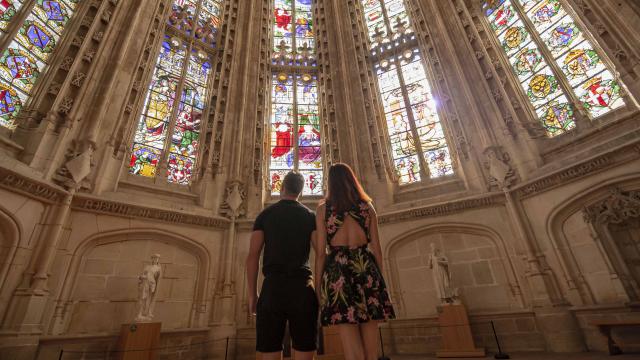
x: 370, y: 339
x: 351, y: 342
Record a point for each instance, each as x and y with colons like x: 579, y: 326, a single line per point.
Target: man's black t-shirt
x: 287, y: 227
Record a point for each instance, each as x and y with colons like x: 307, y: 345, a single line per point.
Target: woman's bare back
x: 350, y: 234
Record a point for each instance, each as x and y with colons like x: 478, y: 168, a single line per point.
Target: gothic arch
x: 562, y: 249
x: 63, y: 301
x: 459, y: 228
x: 10, y: 231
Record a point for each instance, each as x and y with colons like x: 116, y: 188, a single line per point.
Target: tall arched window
x: 168, y: 133
x: 554, y: 60
x: 35, y: 30
x: 295, y: 123
x: 418, y: 144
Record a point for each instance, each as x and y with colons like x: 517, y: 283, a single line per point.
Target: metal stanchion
x: 226, y: 349
x: 383, y: 357
x: 500, y: 354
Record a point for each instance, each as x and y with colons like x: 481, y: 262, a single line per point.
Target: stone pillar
x: 559, y: 325
x: 24, y: 319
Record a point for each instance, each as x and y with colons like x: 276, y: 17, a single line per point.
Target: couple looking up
x: 348, y: 291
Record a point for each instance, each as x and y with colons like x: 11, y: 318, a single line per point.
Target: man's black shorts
x: 287, y: 298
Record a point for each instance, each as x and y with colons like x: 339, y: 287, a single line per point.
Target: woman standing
x: 353, y: 295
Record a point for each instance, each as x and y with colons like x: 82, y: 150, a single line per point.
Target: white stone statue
x: 147, y: 289
x: 439, y: 264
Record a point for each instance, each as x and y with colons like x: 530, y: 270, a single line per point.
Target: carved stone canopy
x: 618, y: 207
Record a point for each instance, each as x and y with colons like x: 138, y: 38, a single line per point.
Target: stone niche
x: 590, y: 261
x: 106, y: 287
x: 478, y: 269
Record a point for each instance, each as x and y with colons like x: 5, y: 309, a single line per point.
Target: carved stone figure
x: 501, y: 174
x: 147, y: 289
x: 439, y: 264
x: 233, y: 205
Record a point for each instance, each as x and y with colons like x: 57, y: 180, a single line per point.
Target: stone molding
x: 32, y: 188
x: 578, y: 171
x: 116, y: 208
x: 443, y: 209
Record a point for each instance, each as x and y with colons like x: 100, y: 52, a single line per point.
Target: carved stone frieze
x: 572, y: 173
x: 617, y: 208
x: 449, y: 208
x: 115, y: 208
x: 34, y: 188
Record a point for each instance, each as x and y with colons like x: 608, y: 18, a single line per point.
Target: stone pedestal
x: 457, y: 340
x: 139, y: 341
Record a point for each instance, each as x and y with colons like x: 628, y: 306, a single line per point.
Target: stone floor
x: 537, y: 356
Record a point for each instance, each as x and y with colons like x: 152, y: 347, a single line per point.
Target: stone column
x: 24, y: 319
x: 557, y: 323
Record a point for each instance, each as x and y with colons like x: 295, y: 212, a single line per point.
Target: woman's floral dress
x: 352, y: 290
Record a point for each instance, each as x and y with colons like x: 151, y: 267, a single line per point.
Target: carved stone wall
x: 511, y: 220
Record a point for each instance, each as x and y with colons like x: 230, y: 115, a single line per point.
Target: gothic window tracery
x: 418, y: 144
x: 35, y: 29
x: 554, y: 61
x: 295, y: 139
x: 168, y: 132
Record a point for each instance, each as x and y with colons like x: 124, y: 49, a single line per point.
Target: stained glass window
x: 523, y: 28
x: 37, y: 28
x: 418, y: 144
x: 295, y: 124
x: 169, y: 128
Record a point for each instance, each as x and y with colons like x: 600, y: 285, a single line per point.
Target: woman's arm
x: 375, y: 237
x: 320, y: 245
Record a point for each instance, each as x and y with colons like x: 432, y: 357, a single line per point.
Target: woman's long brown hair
x: 344, y: 190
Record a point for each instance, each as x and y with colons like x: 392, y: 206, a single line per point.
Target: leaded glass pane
x: 529, y: 65
x: 592, y: 83
x: 294, y: 115
x: 28, y: 53
x: 208, y: 21
x: 151, y: 132
x: 295, y: 137
x: 170, y: 125
x: 8, y: 9
x: 185, y: 141
x: 600, y: 94
x: 415, y: 134
x: 556, y: 116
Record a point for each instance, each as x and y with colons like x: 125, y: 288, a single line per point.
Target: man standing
x: 285, y: 230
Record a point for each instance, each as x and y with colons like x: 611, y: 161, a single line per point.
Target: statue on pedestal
x: 439, y: 263
x: 147, y: 289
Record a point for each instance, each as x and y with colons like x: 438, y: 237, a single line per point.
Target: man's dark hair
x: 293, y: 183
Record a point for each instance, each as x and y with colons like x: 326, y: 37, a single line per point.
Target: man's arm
x: 253, y: 262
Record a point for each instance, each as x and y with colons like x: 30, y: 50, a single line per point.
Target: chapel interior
x: 505, y: 133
